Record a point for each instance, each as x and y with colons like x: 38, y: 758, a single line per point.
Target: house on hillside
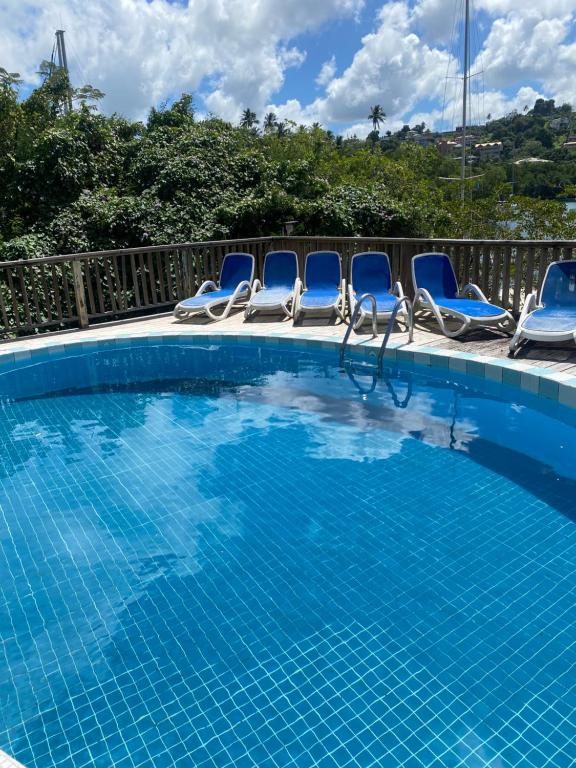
x: 448, y: 147
x: 489, y: 150
x: 570, y: 143
x: 560, y: 123
x: 422, y: 139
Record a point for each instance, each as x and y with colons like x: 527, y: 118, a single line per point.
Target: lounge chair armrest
x: 475, y: 290
x: 243, y: 286
x: 422, y: 295
x: 530, y: 305
x: 256, y: 286
x: 351, y: 298
x: 204, y: 287
x: 397, y: 290
x: 296, y: 300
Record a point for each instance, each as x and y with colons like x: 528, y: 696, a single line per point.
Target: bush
x: 32, y: 246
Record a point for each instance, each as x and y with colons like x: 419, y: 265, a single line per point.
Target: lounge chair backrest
x: 323, y: 270
x: 370, y: 272
x: 434, y: 272
x: 236, y: 267
x: 280, y: 269
x: 559, y: 286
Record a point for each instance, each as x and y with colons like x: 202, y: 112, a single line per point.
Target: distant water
x: 571, y: 205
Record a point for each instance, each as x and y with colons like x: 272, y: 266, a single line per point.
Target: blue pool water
x: 233, y: 556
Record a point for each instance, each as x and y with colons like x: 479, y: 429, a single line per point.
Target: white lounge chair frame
x: 422, y: 299
x: 283, y: 305
x: 339, y: 306
x: 241, y: 292
x: 397, y: 291
x: 532, y: 303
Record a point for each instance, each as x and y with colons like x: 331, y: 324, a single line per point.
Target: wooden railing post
x: 189, y: 277
x: 79, y: 294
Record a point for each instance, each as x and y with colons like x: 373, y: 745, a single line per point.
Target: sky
x: 325, y: 61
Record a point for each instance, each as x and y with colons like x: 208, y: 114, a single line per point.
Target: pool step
x: 8, y: 762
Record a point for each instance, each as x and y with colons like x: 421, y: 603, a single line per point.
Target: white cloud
x: 393, y: 68
x: 545, y: 9
x: 141, y: 52
x: 434, y: 20
x: 235, y: 54
x: 327, y: 72
x: 526, y: 47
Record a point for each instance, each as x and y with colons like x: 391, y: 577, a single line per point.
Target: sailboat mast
x: 465, y: 97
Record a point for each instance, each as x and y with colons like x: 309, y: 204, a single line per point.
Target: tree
x: 544, y: 106
x: 9, y: 79
x: 178, y: 115
x: 270, y: 122
x: 282, y: 129
x: 377, y: 116
x: 248, y: 119
x: 372, y: 139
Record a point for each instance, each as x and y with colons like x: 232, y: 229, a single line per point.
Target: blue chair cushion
x: 323, y: 270
x: 384, y: 301
x: 280, y: 269
x: 434, y: 272
x: 197, y: 302
x: 551, y: 319
x: 559, y: 289
x: 470, y: 307
x: 318, y: 298
x: 371, y: 273
x: 236, y: 268
x: 271, y: 297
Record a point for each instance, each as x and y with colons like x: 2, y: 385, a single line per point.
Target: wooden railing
x: 59, y: 292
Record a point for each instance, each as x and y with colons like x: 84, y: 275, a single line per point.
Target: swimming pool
x: 228, y: 555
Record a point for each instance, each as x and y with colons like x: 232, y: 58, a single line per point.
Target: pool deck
x: 546, y: 370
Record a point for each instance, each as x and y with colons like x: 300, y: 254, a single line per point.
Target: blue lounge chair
x: 553, y: 317
x: 323, y: 289
x: 236, y: 278
x: 436, y: 291
x: 370, y: 273
x: 279, y: 279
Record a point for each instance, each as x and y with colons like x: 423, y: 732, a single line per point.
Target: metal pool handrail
x: 402, y: 300
x: 354, y: 318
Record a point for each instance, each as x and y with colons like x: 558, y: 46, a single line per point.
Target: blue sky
x: 268, y: 55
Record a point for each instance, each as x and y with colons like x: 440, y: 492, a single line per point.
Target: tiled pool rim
x: 8, y: 762
x: 553, y: 385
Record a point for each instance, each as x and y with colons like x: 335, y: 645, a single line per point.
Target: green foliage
x: 34, y: 246
x: 81, y: 181
x: 181, y: 113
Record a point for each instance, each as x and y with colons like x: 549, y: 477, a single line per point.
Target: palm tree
x: 377, y: 115
x: 270, y: 121
x: 248, y: 119
x: 282, y: 129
